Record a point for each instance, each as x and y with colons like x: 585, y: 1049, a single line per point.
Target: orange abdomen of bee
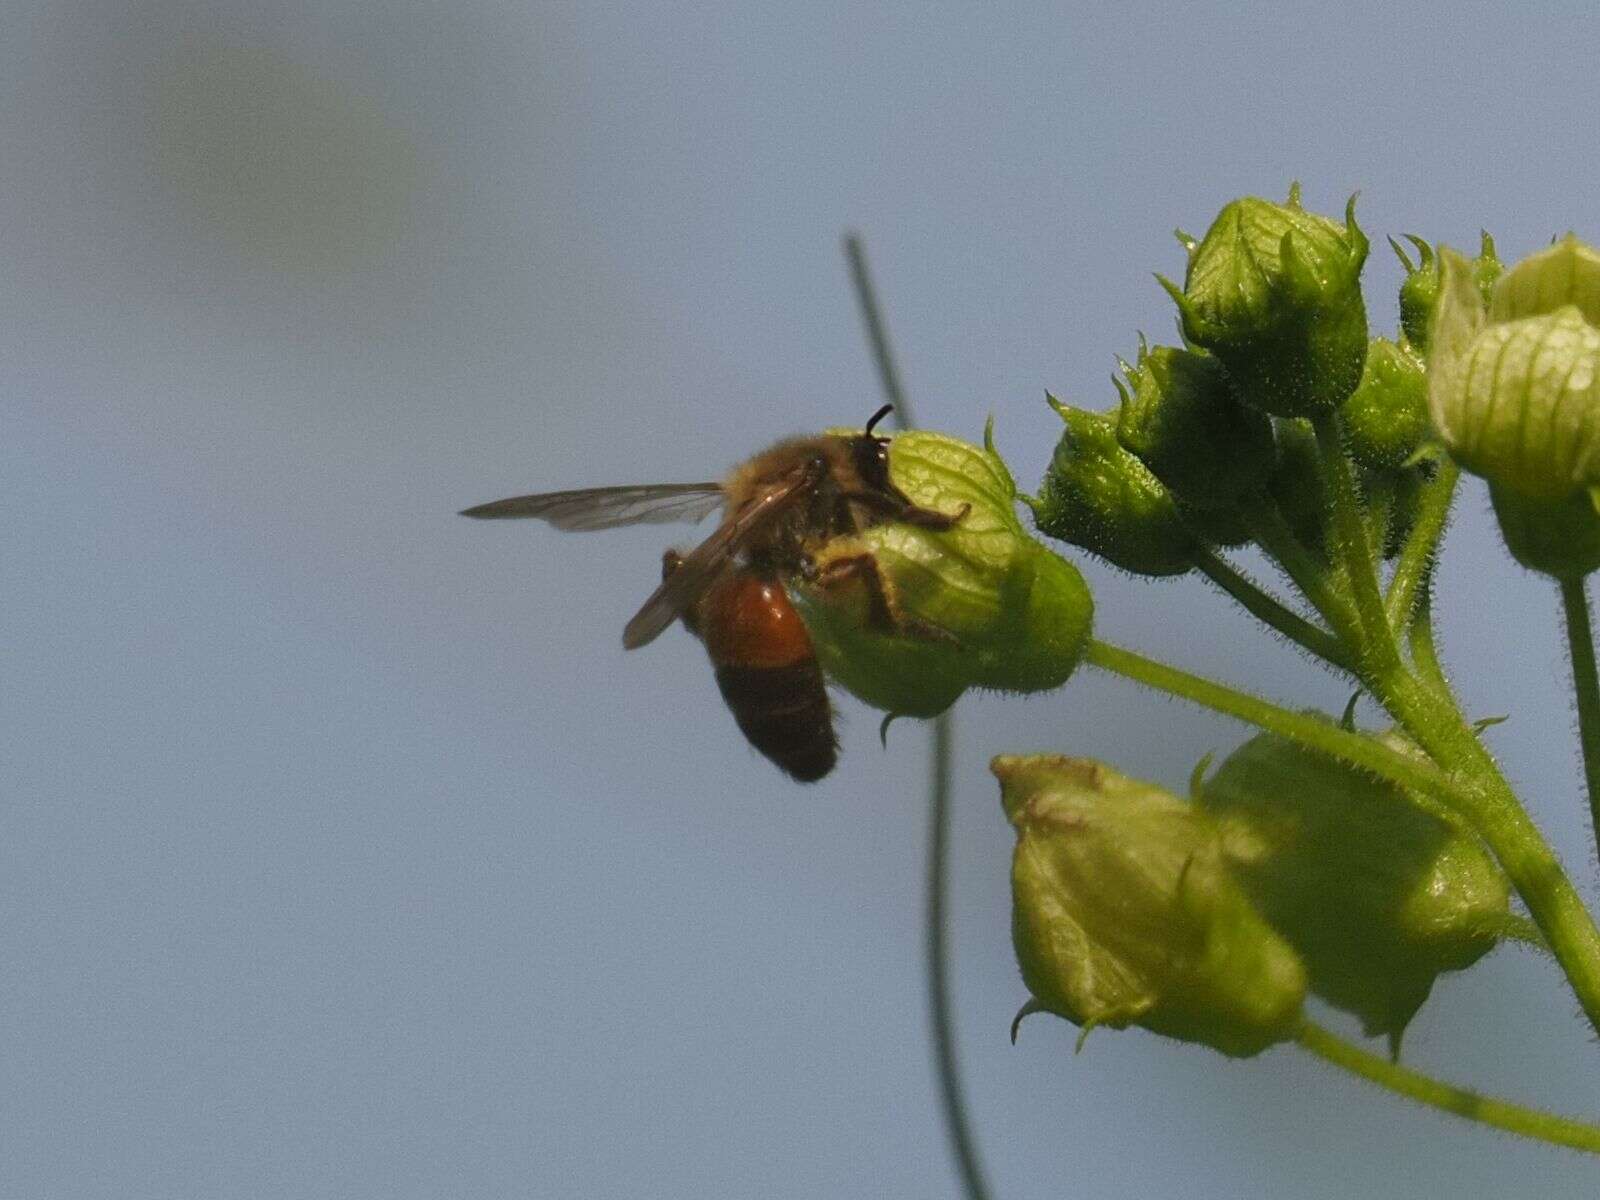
x: 767, y: 671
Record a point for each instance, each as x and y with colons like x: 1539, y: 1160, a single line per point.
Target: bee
x: 778, y: 510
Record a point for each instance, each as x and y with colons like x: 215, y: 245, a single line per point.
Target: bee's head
x: 869, y: 452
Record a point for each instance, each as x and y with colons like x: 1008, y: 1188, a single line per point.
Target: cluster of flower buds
x: 981, y: 604
x: 1514, y: 392
x: 1207, y: 433
x: 1209, y: 920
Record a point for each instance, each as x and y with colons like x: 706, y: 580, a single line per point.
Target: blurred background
x: 345, y: 853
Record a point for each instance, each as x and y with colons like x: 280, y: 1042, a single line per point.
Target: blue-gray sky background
x: 345, y: 853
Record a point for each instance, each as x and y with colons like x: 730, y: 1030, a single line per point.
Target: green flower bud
x: 1098, y: 496
x: 1386, y: 417
x: 1517, y: 400
x: 1419, y: 292
x: 1123, y: 912
x: 1275, y: 293
x: 1184, y: 423
x: 1378, y: 889
x: 907, y: 618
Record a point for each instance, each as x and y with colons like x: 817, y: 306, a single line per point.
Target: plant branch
x: 1416, y: 556
x: 1347, y: 530
x: 1271, y: 611
x: 1313, y: 732
x: 1586, y: 686
x: 1424, y: 1089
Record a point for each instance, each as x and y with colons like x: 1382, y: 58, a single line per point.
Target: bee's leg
x: 671, y: 560
x: 881, y: 613
x: 897, y: 507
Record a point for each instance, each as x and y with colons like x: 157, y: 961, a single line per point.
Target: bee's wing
x: 608, y: 507
x: 705, y: 562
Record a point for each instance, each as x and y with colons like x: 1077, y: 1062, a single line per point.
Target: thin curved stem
x: 1315, y: 733
x: 935, y: 927
x: 958, y: 1129
x: 1586, y: 686
x: 1424, y: 1089
x: 1271, y: 611
x: 1416, y: 556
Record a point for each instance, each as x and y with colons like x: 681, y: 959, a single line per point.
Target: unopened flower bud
x: 1378, y: 889
x: 1515, y: 398
x: 1275, y: 293
x: 1123, y: 912
x: 1181, y: 418
x: 1098, y: 496
x: 1386, y: 417
x: 1419, y: 292
x: 908, y: 617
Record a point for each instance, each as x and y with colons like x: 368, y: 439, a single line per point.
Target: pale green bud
x: 1567, y: 272
x: 1124, y: 913
x: 980, y: 604
x: 1097, y: 495
x: 1378, y: 889
x: 1517, y: 400
x: 1275, y: 293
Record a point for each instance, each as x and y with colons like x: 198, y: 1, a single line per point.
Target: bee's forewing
x: 701, y: 566
x: 609, y: 507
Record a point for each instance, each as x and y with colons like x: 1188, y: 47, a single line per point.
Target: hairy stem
x: 1314, y: 579
x: 1416, y: 556
x: 1347, y: 530
x: 1271, y: 611
x: 1424, y: 1089
x: 1586, y: 686
x: 1315, y: 733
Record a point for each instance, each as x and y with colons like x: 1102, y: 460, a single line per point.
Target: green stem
x: 1416, y: 556
x: 1586, y: 685
x: 1271, y: 611
x: 1347, y: 530
x: 1486, y: 1110
x: 1424, y: 653
x: 1514, y: 927
x: 1315, y: 733
x: 1313, y: 578
x: 935, y: 925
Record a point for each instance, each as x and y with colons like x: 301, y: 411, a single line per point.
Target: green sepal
x: 1379, y: 890
x: 1124, y: 913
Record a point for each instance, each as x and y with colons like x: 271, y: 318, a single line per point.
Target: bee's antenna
x: 878, y: 416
